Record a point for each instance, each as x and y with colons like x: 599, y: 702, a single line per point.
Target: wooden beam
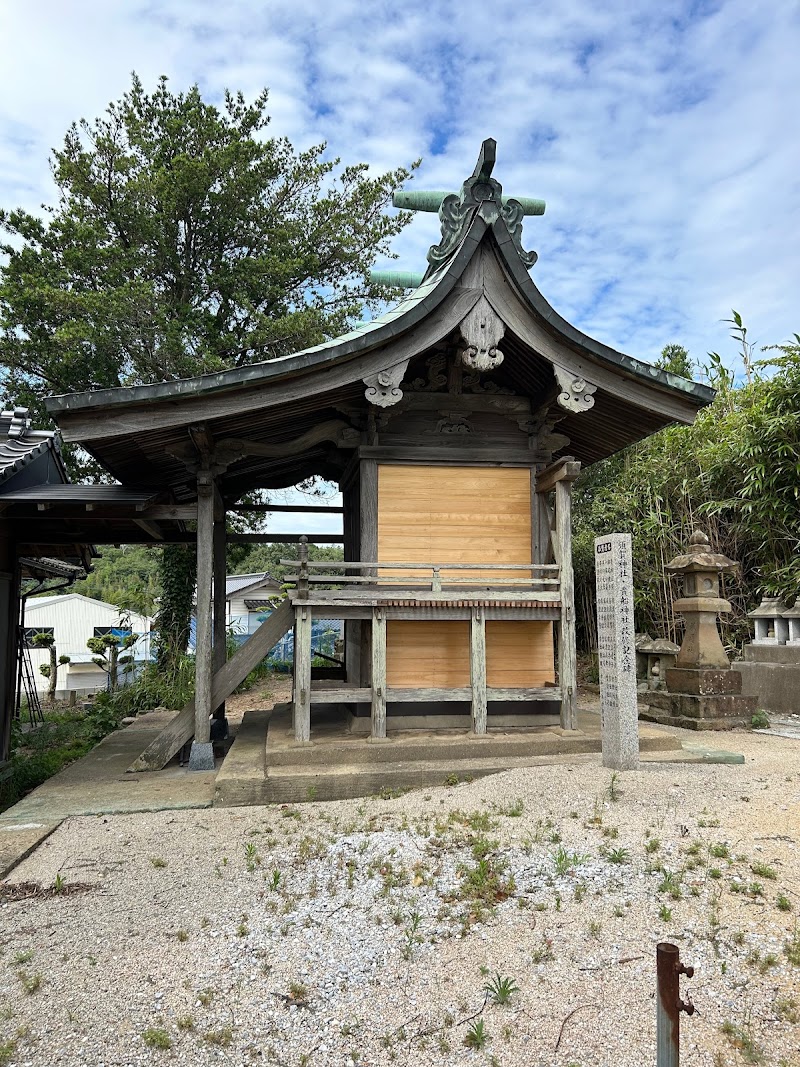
x: 220, y: 650
x: 302, y: 675
x: 205, y: 570
x: 378, y: 675
x: 368, y: 511
x: 563, y: 470
x: 567, y: 669
x: 175, y: 735
x: 477, y: 670
x: 318, y: 509
x: 151, y: 528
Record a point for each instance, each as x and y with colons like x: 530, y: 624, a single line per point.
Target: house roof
x: 37, y: 603
x: 290, y: 409
x: 20, y: 444
x: 236, y: 584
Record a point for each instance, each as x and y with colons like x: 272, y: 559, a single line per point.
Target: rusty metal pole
x: 669, y: 1004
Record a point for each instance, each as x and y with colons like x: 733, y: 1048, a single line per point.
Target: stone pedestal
x: 701, y: 700
x: 771, y: 675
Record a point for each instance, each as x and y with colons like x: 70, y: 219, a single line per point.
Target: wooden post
x: 202, y: 756
x: 220, y: 575
x: 477, y: 670
x: 9, y: 617
x: 301, y: 705
x: 378, y: 675
x: 368, y: 512
x: 567, y: 670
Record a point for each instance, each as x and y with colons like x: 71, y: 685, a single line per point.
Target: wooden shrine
x: 455, y: 425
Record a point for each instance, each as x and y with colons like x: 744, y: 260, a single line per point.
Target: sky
x: 662, y: 134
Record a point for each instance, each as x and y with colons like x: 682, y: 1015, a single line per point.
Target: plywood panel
x: 519, y: 654
x: 432, y: 514
x: 427, y: 654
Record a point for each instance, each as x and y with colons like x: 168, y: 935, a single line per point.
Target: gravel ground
x: 364, y: 932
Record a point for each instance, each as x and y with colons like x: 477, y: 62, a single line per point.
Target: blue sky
x: 663, y: 135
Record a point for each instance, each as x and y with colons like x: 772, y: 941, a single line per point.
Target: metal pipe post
x: 669, y: 1004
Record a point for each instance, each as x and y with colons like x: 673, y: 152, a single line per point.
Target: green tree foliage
x: 177, y: 577
x: 734, y: 472
x: 126, y: 576
x: 50, y: 670
x: 268, y: 558
x: 109, y: 655
x: 184, y: 241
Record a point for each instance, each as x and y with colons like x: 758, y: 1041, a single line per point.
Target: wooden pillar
x: 567, y: 670
x: 477, y: 670
x: 9, y: 617
x: 220, y: 575
x: 301, y: 704
x: 378, y: 674
x: 201, y: 757
x: 368, y: 510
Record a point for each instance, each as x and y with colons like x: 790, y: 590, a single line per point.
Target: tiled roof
x: 19, y: 444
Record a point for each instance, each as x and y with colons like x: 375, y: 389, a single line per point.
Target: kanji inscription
x: 619, y: 715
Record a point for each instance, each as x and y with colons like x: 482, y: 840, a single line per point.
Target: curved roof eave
x: 701, y: 394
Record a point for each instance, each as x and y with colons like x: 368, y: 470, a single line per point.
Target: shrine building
x: 455, y: 425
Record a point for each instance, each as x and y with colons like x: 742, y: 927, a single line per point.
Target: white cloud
x: 662, y: 134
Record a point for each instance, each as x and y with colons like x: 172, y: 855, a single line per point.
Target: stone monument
x: 703, y: 691
x: 617, y: 653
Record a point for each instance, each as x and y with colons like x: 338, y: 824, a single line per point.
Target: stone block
x: 775, y: 687
x: 708, y: 682
x: 698, y: 712
x: 201, y: 756
x: 789, y: 654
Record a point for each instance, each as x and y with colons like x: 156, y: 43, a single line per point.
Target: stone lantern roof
x: 771, y: 607
x: 699, y: 557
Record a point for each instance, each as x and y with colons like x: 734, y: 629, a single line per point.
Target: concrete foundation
x: 771, y: 676
x: 264, y: 765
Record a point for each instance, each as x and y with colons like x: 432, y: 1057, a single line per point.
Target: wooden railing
x: 445, y: 580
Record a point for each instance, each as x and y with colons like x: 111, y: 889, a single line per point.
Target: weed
x: 652, y: 845
x: 714, y: 872
x: 579, y: 892
x: 594, y: 928
x: 743, y: 1039
x: 298, y: 992
x: 760, y: 720
x: 182, y: 935
x: 565, y: 860
x: 411, y: 935
x: 185, y: 1023
x: 513, y: 811
x: 611, y: 832
x: 7, y: 1050
x: 738, y: 937
x: 476, y: 1036
x: 618, y: 855
x: 157, y: 861
x: 782, y: 902
x: 59, y: 884
x: 671, y: 884
x: 619, y: 911
x: 720, y: 851
x: 311, y: 792
x: 501, y: 989
x: 792, y: 948
x: 613, y: 791
x: 23, y: 957
x: 665, y: 913
x: 31, y: 983
x: 451, y: 780
x: 205, y: 996
x: 786, y: 1009
x: 755, y: 889
x: 486, y: 882
x: 763, y: 870
x: 155, y: 1037
x: 221, y: 1038
x: 543, y: 952
x: 274, y: 881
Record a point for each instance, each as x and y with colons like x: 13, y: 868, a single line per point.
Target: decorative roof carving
x: 481, y: 194
x: 576, y: 393
x: 482, y: 330
x: 382, y: 388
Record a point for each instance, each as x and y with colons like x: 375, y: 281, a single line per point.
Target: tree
x: 107, y: 656
x: 675, y: 359
x: 49, y: 670
x: 184, y: 241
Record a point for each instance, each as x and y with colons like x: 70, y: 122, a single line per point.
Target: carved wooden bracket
x: 482, y: 331
x: 383, y: 388
x: 576, y: 393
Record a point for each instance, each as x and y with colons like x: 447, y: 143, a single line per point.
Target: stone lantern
x: 703, y: 691
x: 700, y: 604
x: 792, y: 617
x: 771, y: 624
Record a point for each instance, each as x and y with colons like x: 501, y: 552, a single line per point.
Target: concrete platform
x: 98, y: 785
x: 265, y: 764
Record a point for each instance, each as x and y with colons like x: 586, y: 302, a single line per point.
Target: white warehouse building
x: 72, y: 619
